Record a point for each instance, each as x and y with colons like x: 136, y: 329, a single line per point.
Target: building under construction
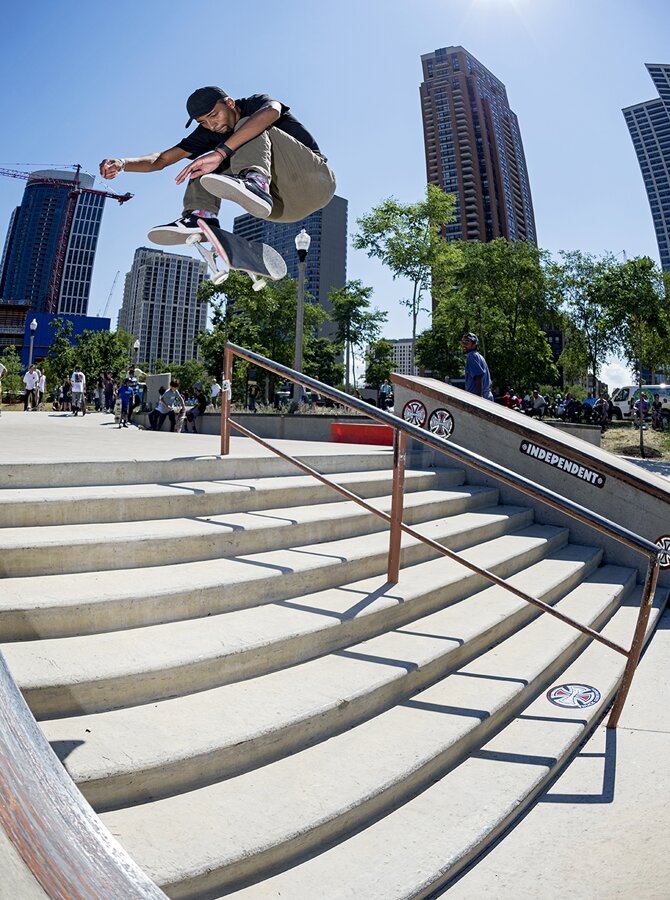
x: 47, y: 263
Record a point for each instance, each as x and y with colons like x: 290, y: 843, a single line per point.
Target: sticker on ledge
x: 563, y: 463
x: 441, y: 423
x: 664, y: 556
x: 415, y: 413
x: 573, y: 696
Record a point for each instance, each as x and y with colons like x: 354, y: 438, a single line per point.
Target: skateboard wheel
x: 194, y: 238
x: 220, y: 278
x: 259, y: 284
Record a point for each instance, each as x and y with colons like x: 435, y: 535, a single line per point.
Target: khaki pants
x: 300, y: 181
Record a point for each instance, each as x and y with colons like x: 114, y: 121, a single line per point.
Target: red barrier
x: 361, y: 433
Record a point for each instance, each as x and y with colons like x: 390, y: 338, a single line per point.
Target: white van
x: 624, y: 398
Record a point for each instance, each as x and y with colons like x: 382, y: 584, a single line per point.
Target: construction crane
x: 109, y: 298
x: 66, y: 227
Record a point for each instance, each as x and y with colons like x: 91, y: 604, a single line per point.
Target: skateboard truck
x: 218, y: 276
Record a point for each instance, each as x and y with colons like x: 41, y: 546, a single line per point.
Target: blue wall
x: 44, y: 333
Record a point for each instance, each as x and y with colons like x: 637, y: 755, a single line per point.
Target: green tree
x: 409, y: 239
x: 637, y: 302
x: 378, y: 363
x: 12, y: 383
x: 320, y: 361
x: 60, y: 359
x: 498, y: 290
x: 577, y: 284
x: 438, y: 349
x: 189, y: 374
x: 357, y: 324
x: 262, y: 321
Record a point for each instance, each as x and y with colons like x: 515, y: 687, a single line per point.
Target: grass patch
x: 624, y: 440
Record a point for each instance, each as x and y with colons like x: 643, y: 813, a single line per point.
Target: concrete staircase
x: 213, y: 651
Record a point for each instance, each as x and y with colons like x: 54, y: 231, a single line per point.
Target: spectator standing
x: 78, y: 393
x: 477, y: 375
x: 110, y: 390
x: 125, y: 395
x: 657, y: 414
x: 78, y: 378
x: 31, y: 381
x: 253, y: 396
x: 41, y: 389
x: 66, y: 389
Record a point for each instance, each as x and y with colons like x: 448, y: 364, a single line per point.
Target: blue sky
x: 85, y: 81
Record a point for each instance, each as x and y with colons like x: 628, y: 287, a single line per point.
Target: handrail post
x: 638, y: 641
x: 226, y: 396
x: 399, y: 443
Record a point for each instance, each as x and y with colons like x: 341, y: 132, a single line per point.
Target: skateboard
x: 259, y: 261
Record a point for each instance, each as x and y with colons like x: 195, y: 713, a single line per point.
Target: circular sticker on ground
x: 573, y: 696
x: 664, y: 557
x: 441, y: 423
x: 415, y: 413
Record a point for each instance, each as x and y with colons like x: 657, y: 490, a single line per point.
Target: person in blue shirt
x: 477, y: 375
x: 125, y: 395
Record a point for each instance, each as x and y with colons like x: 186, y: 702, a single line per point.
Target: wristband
x: 122, y: 167
x: 226, y: 149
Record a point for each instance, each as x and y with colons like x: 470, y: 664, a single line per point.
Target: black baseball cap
x: 203, y: 101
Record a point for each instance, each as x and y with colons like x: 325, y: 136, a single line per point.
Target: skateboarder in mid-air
x: 251, y: 151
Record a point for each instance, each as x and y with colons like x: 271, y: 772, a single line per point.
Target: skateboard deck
x: 259, y: 261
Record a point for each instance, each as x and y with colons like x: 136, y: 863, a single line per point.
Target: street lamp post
x: 302, y: 243
x: 33, y: 329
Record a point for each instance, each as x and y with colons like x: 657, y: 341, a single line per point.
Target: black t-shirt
x: 202, y: 140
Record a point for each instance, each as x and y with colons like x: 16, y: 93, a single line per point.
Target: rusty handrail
x: 401, y: 430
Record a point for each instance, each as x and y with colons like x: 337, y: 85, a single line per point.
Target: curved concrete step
x: 30, y: 507
x: 222, y: 835
x: 425, y: 844
x: 104, y: 671
x: 55, y: 549
x: 141, y: 753
x: 200, y: 468
x: 65, y: 605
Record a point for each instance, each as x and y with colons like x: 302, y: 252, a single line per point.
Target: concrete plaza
x: 594, y: 834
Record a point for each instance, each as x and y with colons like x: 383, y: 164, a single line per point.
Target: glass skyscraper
x: 32, y: 241
x: 474, y: 149
x: 649, y: 126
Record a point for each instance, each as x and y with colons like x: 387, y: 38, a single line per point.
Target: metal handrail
x: 402, y: 429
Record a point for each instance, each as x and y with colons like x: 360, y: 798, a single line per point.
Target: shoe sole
x: 228, y: 188
x: 161, y: 235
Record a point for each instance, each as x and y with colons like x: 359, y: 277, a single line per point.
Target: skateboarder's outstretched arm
x: 153, y: 162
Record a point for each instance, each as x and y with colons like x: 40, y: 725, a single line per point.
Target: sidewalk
x: 601, y: 830
x: 63, y: 438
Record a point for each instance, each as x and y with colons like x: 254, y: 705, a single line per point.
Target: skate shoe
x: 179, y: 231
x: 251, y: 191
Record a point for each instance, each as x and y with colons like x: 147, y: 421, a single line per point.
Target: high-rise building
x: 473, y: 148
x: 32, y: 244
x: 160, y: 306
x: 649, y: 126
x: 326, y: 264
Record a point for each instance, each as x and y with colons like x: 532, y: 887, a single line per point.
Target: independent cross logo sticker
x: 573, y: 696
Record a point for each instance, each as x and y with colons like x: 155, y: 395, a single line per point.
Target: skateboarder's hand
x: 110, y: 168
x: 210, y: 162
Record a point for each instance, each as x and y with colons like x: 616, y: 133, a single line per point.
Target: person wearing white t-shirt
x: 78, y: 392
x: 30, y: 380
x: 215, y: 392
x: 41, y: 389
